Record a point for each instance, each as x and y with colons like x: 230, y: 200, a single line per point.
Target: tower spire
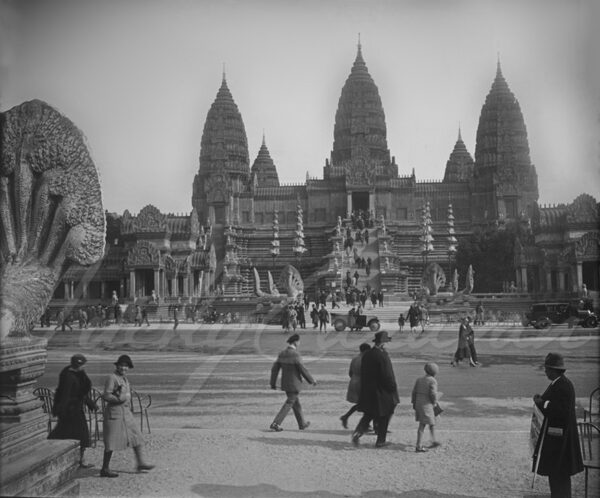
x: 459, y: 134
x: 224, y: 78
x: 498, y: 67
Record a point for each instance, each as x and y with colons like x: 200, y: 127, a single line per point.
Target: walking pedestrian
x: 462, y: 350
x: 292, y: 373
x: 138, y: 316
x: 353, y: 393
x: 323, y: 319
x: 479, y: 314
x: 73, y: 391
x: 471, y: 341
x: 175, y: 315
x: 401, y: 321
x: 144, y: 316
x: 557, y: 452
x: 424, y: 399
x: 83, y: 319
x: 314, y: 316
x: 413, y: 317
x: 378, y: 391
x: 119, y: 427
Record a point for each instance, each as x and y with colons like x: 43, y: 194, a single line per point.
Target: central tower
x: 359, y: 134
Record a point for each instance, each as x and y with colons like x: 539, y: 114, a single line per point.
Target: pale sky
x: 138, y: 78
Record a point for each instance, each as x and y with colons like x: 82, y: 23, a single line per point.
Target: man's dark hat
x: 555, y: 361
x: 293, y: 338
x: 78, y: 359
x: 124, y: 360
x: 382, y: 336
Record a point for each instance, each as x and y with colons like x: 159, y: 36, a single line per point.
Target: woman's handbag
x: 437, y: 409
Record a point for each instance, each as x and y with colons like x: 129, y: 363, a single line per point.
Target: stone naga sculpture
x: 433, y: 278
x: 290, y: 283
x: 50, y: 210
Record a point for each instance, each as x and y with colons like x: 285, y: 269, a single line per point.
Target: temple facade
x: 242, y: 217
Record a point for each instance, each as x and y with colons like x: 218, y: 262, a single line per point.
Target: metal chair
x: 140, y: 403
x: 589, y: 439
x: 95, y: 418
x: 46, y: 396
x: 593, y: 409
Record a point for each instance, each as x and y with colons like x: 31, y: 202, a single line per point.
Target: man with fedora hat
x: 292, y: 372
x: 378, y: 391
x: 557, y: 452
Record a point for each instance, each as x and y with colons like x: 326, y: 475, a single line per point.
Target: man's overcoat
x: 560, y: 452
x: 292, y: 371
x: 378, y: 389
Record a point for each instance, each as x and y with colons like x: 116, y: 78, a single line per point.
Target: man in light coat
x: 292, y: 372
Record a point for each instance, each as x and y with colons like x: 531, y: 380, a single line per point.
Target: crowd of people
x: 372, y: 391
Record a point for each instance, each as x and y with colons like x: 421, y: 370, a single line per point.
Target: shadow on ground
x: 270, y: 491
x: 332, y: 445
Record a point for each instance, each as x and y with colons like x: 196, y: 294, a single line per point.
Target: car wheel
x: 590, y: 322
x: 543, y: 323
x: 339, y: 324
x: 374, y: 325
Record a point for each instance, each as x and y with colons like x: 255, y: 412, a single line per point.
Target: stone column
x: 372, y: 201
x: 211, y: 214
x: 132, y: 284
x: 561, y: 279
x: 518, y: 278
x: 186, y: 286
x: 524, y: 279
x: 157, y: 281
x: 102, y: 289
x: 84, y: 290
x: 349, y: 205
x: 579, y: 282
x: 174, y: 287
x: 66, y: 288
x: 549, y: 280
x: 71, y: 289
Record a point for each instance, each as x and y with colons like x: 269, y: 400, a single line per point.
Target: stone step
x: 44, y: 469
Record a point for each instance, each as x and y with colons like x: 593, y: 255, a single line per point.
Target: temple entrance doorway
x: 591, y: 271
x: 360, y: 201
x: 144, y: 282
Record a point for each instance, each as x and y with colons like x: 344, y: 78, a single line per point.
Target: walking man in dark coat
x: 292, y: 372
x: 557, y: 449
x: 378, y: 391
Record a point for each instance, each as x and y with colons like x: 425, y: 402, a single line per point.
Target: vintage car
x: 342, y: 320
x: 542, y: 315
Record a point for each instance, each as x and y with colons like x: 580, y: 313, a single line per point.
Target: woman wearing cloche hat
x: 120, y: 429
x: 74, y: 387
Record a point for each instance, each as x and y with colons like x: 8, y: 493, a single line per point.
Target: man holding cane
x: 557, y: 452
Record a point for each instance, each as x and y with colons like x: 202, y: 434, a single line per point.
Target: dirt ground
x: 210, y: 419
x: 213, y: 456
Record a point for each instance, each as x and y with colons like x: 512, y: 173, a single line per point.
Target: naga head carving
x: 50, y: 210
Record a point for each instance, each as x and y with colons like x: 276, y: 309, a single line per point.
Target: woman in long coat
x: 353, y: 392
x: 424, y: 397
x: 74, y: 387
x: 462, y: 351
x: 120, y: 429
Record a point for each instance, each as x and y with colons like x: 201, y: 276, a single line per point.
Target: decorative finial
x: 498, y: 68
x: 459, y: 134
x: 224, y: 79
x: 263, y: 142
